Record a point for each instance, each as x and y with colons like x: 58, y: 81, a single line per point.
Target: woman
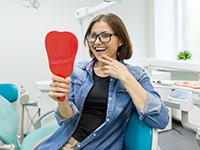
x: 102, y: 93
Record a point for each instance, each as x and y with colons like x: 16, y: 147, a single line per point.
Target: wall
x: 23, y: 58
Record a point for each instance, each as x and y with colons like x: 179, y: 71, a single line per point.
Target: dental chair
x: 9, y: 123
x: 139, y: 136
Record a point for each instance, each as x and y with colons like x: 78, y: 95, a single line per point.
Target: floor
x: 177, y: 139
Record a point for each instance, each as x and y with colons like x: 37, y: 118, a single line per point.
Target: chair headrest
x: 9, y: 91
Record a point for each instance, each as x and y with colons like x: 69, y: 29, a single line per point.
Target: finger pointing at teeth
x: 113, y: 67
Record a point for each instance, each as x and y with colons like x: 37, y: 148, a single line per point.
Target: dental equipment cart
x: 182, y: 98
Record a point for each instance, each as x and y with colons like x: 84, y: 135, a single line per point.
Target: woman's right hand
x: 59, y: 87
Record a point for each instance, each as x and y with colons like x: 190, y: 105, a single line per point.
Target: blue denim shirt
x: 110, y: 135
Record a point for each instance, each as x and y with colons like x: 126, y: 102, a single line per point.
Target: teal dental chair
x: 9, y: 122
x: 139, y: 136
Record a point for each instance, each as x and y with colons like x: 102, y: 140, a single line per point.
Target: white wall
x: 23, y: 58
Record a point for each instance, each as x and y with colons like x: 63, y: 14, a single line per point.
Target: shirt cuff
x: 62, y: 120
x: 153, y: 104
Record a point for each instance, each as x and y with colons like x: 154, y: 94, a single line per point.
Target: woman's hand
x: 113, y: 67
x: 59, y: 87
x: 117, y: 70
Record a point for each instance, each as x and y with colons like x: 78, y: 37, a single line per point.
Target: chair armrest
x: 38, y: 136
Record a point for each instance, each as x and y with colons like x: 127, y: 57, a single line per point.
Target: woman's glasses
x: 103, y: 37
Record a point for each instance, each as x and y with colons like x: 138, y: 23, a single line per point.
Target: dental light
x: 30, y: 3
x: 81, y: 13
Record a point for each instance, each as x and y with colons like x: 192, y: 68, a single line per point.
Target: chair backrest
x: 8, y: 122
x: 139, y: 136
x: 9, y: 91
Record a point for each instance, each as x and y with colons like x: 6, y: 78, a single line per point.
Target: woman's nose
x: 98, y: 40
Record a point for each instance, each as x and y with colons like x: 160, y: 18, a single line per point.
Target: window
x: 190, y: 27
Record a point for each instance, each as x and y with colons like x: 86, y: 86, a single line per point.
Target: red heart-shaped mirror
x: 61, y: 48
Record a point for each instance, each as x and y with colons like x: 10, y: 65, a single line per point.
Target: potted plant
x: 184, y: 55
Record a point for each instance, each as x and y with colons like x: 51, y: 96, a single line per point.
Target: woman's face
x: 108, y: 48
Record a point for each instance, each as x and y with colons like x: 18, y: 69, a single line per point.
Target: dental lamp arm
x: 87, y: 11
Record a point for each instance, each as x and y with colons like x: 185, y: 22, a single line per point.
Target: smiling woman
x: 109, y: 28
x: 102, y: 93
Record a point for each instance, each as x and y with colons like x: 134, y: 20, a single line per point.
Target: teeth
x: 100, y: 49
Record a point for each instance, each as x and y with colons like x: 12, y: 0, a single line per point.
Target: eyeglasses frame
x: 98, y: 35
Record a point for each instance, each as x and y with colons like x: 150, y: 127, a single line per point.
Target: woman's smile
x: 100, y: 49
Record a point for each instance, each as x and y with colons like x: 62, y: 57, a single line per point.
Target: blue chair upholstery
x: 139, y: 136
x: 9, y: 124
x: 9, y: 91
x: 38, y: 136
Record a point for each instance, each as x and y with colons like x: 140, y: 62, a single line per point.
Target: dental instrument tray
x: 188, y: 84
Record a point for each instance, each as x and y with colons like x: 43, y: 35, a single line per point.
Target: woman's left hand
x: 113, y: 67
x: 117, y: 70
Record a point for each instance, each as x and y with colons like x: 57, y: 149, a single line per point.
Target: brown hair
x: 117, y: 25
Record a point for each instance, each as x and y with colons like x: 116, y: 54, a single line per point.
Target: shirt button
x: 94, y: 134
x: 111, y: 79
x: 120, y: 105
x: 110, y: 98
x: 79, y: 146
x: 108, y: 120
